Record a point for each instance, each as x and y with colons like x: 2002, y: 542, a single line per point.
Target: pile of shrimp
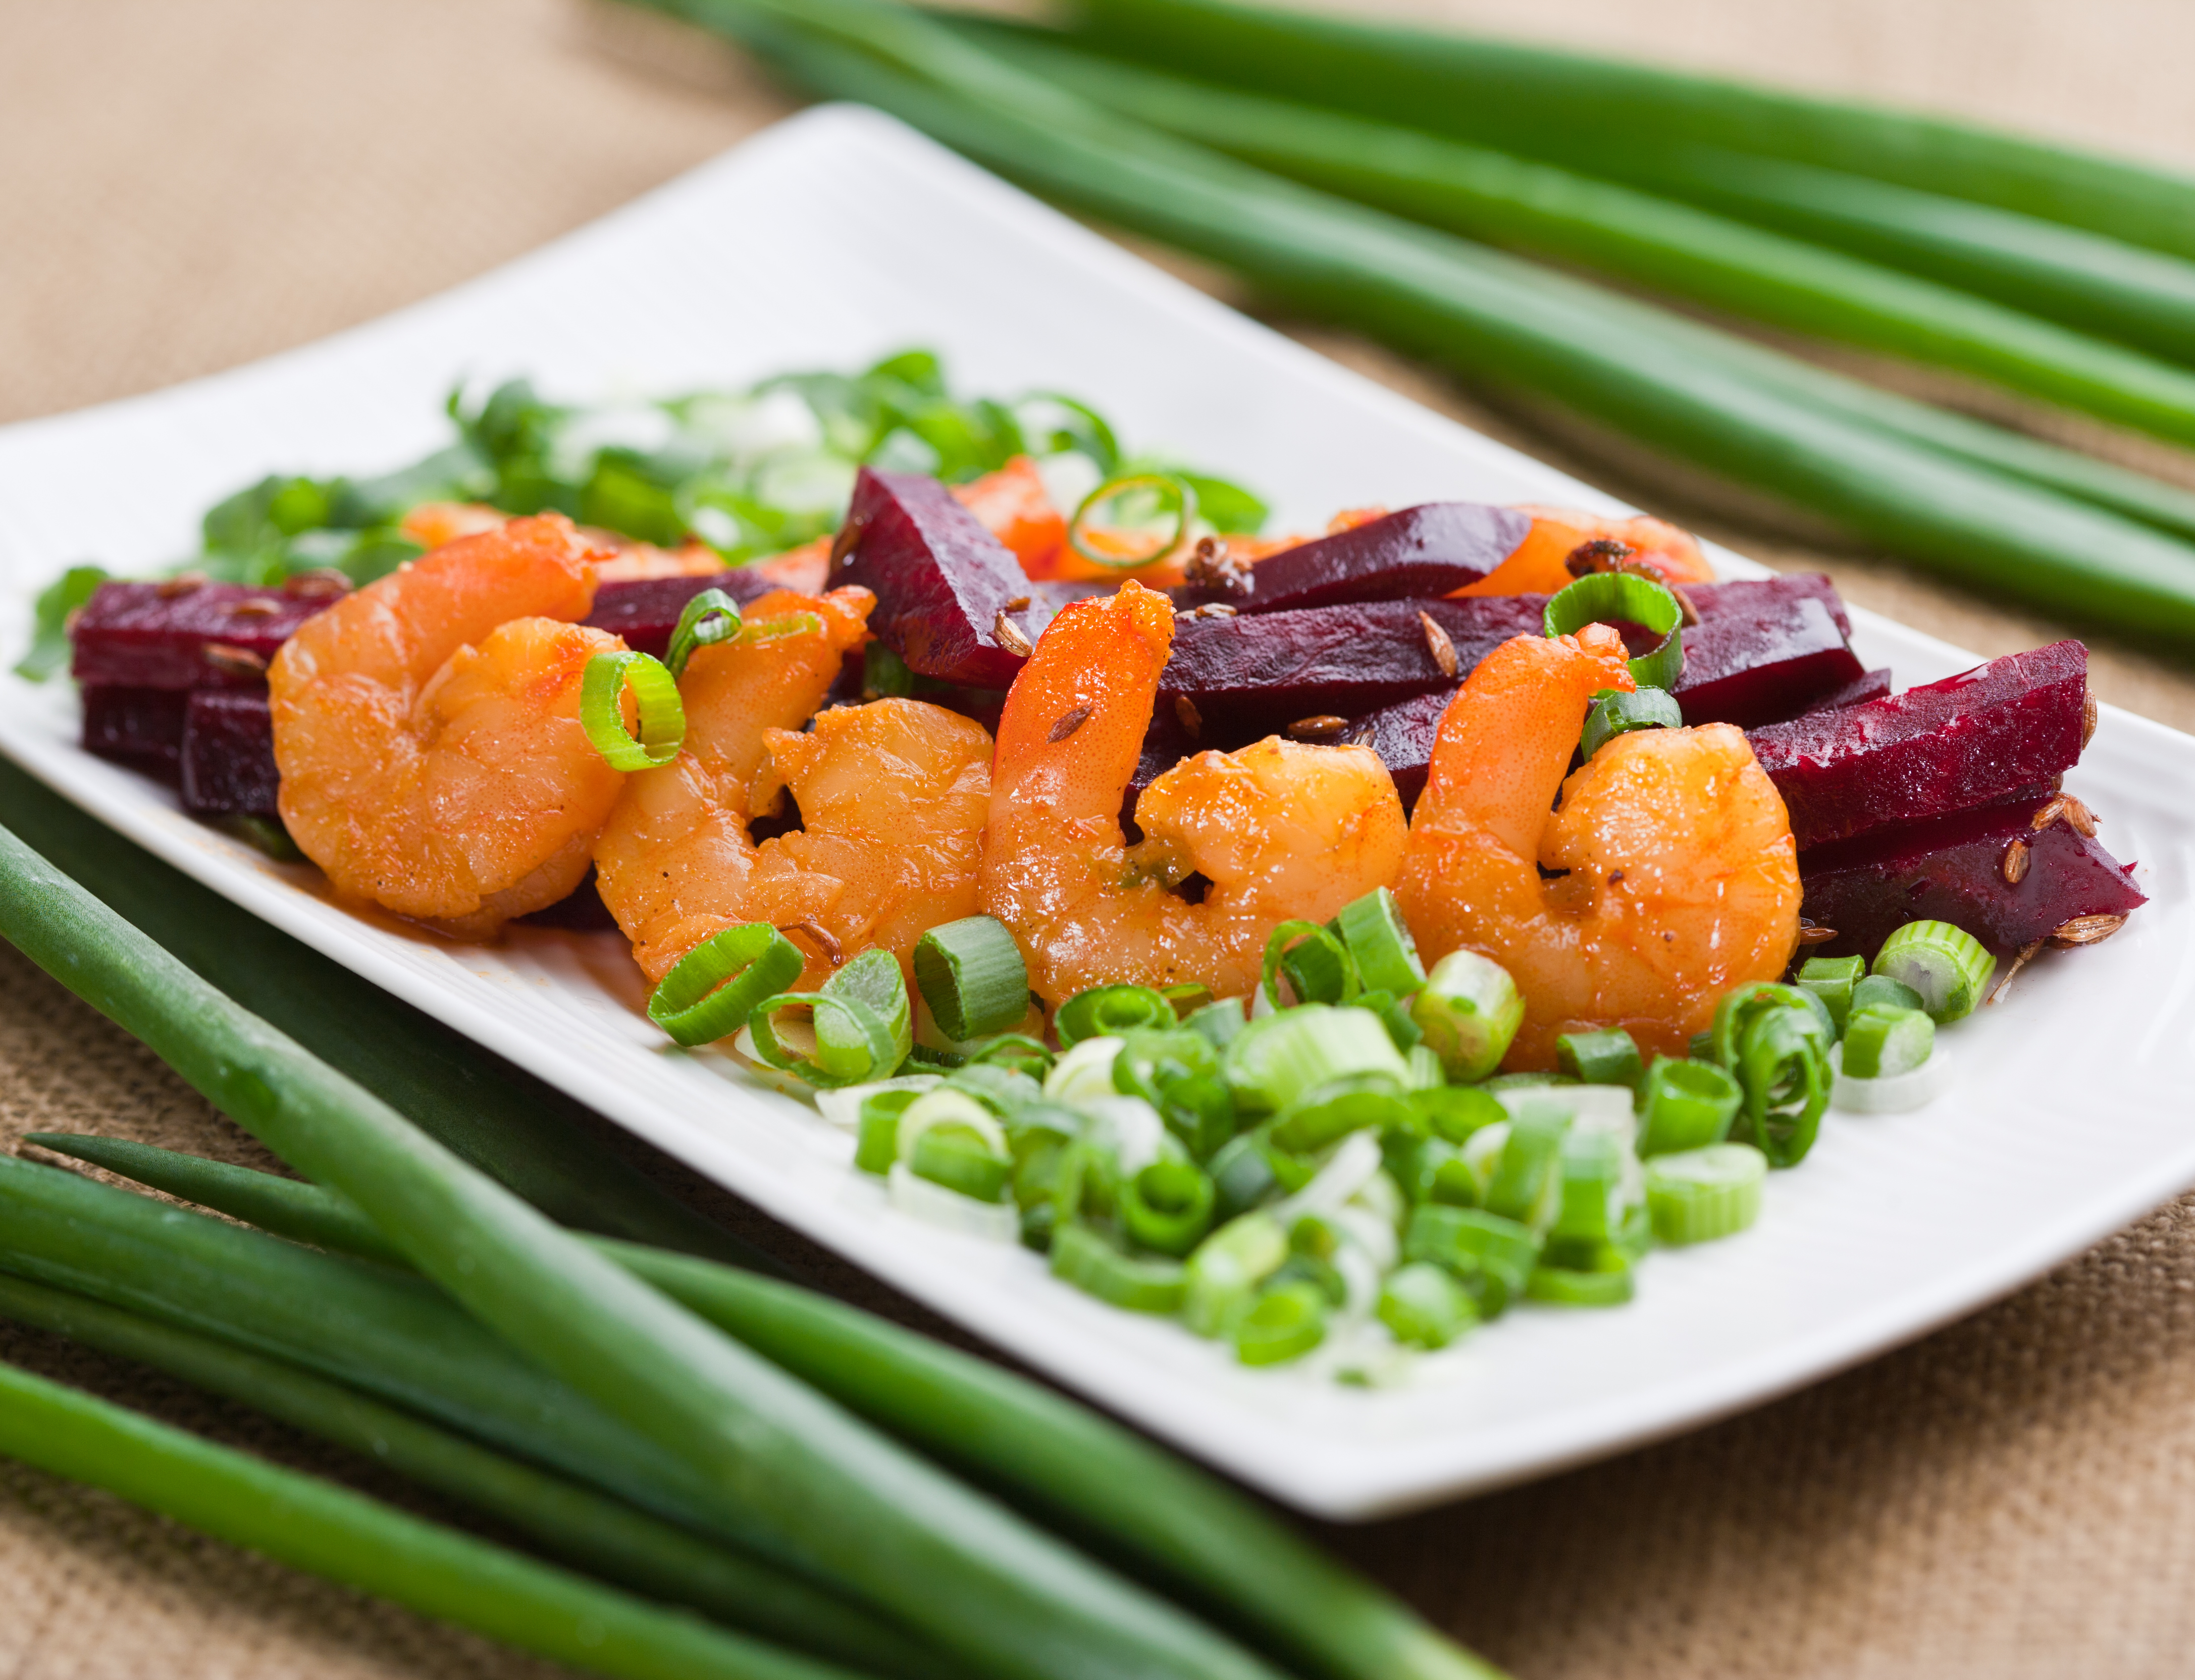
x: 433, y: 763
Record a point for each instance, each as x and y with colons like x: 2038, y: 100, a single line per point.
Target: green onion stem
x: 1632, y: 367
x: 655, y: 694
x: 1616, y: 713
x: 1624, y: 597
x: 709, y: 993
x: 331, y: 1532
x: 750, y: 1439
x: 1946, y: 965
x: 603, y: 1536
x: 972, y: 976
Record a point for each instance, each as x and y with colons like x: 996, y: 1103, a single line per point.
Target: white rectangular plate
x: 841, y: 236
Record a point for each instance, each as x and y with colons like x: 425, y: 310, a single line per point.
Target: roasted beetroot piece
x: 2007, y: 727
x: 184, y: 634
x: 645, y: 611
x: 1403, y: 735
x: 1873, y: 684
x: 1761, y: 652
x: 1260, y: 673
x: 228, y: 755
x: 1418, y: 553
x: 142, y: 728
x: 1716, y: 601
x: 942, y: 582
x: 2008, y: 874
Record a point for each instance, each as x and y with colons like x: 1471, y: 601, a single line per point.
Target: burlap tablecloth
x: 183, y: 187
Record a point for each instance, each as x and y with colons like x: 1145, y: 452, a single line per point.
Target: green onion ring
x: 1175, y: 497
x: 601, y: 711
x: 1782, y: 1067
x: 1107, y: 1011
x: 709, y: 618
x: 853, y: 1045
x: 1625, y: 597
x: 1616, y: 713
x: 711, y: 990
x: 1323, y: 973
x: 1379, y: 943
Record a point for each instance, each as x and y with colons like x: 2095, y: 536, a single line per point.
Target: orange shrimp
x: 1537, y: 567
x: 1679, y: 877
x: 1280, y: 830
x: 892, y: 796
x: 427, y: 729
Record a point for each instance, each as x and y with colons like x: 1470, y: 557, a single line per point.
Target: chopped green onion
x: 1220, y: 1023
x: 1423, y: 1306
x: 1455, y: 1111
x: 1424, y: 1072
x: 1831, y: 979
x: 1432, y: 1169
x: 1742, y: 1005
x: 1107, y: 1011
x: 1318, y: 966
x: 1284, y: 1323
x: 1241, y: 1176
x: 1277, y: 1060
x: 1178, y: 1073
x: 1686, y: 1105
x: 1469, y: 1010
x: 1880, y: 1043
x: 1893, y: 1093
x: 926, y: 1056
x: 971, y: 974
x: 1227, y: 1268
x: 601, y: 711
x: 1084, y: 1073
x: 1575, y: 1286
x: 1616, y: 713
x: 1167, y: 1206
x: 1783, y: 1068
x: 1093, y: 1264
x: 1379, y: 942
x: 1607, y: 1057
x: 1527, y: 1182
x: 1014, y: 1050
x: 709, y: 618
x: 878, y: 1145
x: 1947, y: 966
x: 957, y: 1157
x: 1698, y: 1195
x: 1881, y: 991
x: 711, y: 990
x: 1625, y: 598
x: 1590, y: 1188
x: 1394, y: 1015
x: 1139, y: 499
x: 1490, y: 1256
x: 861, y: 1021
x: 1328, y: 1113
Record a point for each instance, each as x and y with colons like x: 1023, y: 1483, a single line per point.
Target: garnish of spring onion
x: 601, y: 711
x: 1625, y: 598
x: 1318, y: 965
x: 1329, y: 1112
x: 1882, y: 1043
x: 1894, y: 1093
x: 1093, y: 1263
x: 971, y: 974
x: 1490, y: 1256
x: 1783, y: 1068
x: 1947, y: 966
x: 1831, y: 979
x: 1608, y: 1057
x: 1167, y: 1206
x: 1698, y: 1195
x: 1423, y: 1306
x: 877, y: 1144
x: 711, y: 990
x: 1284, y: 1323
x: 1275, y: 1062
x: 1590, y: 1210
x: 1576, y: 1286
x: 1135, y: 500
x: 862, y: 1026
x: 1379, y: 943
x: 1742, y: 1005
x: 1527, y: 1182
x: 1107, y: 1011
x: 1616, y: 713
x: 1686, y: 1105
x: 1227, y: 1267
x: 1469, y: 1010
x: 1880, y: 991
x: 709, y: 618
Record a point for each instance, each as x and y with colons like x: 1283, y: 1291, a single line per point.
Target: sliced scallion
x: 1423, y: 1306
x: 1831, y: 979
x: 1590, y: 1180
x: 709, y: 618
x: 1880, y: 1043
x: 1742, y: 1005
x: 1136, y: 502
x: 1469, y: 1010
x: 1317, y: 964
x: 1579, y: 1286
x: 1106, y: 1011
x: 1609, y: 1056
x: 971, y: 974
x: 1616, y: 713
x: 1454, y: 1113
x: 1698, y: 1195
x: 1527, y: 1182
x: 1881, y: 991
x: 1490, y: 1256
x: 1379, y: 942
x: 1783, y: 1068
x: 1686, y: 1105
x: 1226, y: 1269
x: 878, y: 1145
x: 711, y: 990
x: 1283, y: 1323
x: 1894, y: 1093
x: 1625, y: 598
x: 861, y: 1025
x: 1279, y: 1060
x: 1093, y: 1263
x: 1328, y: 1113
x: 602, y: 710
x: 1947, y: 966
x: 1167, y: 1206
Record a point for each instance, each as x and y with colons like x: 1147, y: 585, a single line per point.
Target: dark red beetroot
x: 941, y: 580
x: 142, y: 728
x: 228, y: 755
x: 175, y: 635
x: 1761, y: 652
x: 645, y: 611
x: 1874, y: 685
x: 1955, y: 869
x: 1403, y: 735
x: 1716, y: 601
x: 2003, y: 728
x: 1418, y: 553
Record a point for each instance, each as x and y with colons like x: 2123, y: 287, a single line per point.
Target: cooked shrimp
x: 892, y: 796
x: 1539, y: 564
x: 1678, y: 880
x: 1280, y: 830
x: 427, y: 729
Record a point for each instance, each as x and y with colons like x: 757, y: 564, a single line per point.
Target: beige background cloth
x: 186, y: 187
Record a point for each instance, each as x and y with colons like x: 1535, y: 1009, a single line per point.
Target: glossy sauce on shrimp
x: 891, y: 796
x: 427, y: 729
x: 1280, y: 830
x: 1674, y: 874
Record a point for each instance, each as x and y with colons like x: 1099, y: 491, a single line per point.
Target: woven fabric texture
x: 185, y: 187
